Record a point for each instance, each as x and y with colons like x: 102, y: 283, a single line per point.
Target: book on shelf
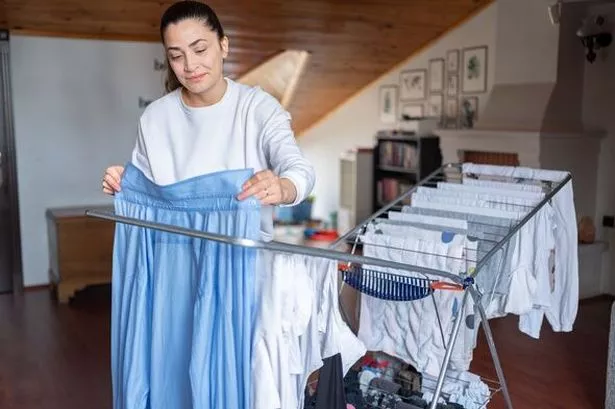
x: 389, y: 189
x: 398, y: 155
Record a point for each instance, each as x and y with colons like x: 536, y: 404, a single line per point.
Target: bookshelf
x: 401, y: 159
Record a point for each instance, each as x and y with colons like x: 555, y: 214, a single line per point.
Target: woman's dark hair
x: 184, y: 10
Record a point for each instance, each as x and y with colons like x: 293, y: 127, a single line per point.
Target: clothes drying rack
x: 372, y: 275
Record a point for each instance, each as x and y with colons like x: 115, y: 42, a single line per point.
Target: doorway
x: 10, y: 246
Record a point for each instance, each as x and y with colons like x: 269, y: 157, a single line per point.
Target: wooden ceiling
x: 351, y: 42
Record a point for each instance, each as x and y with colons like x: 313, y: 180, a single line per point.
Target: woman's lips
x: 196, y: 78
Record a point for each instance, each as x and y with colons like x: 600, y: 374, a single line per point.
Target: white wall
x: 356, y: 122
x: 76, y: 106
x: 522, y: 23
x: 598, y: 108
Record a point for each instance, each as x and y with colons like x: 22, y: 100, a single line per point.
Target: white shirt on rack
x: 519, y: 277
x: 285, y: 310
x: 247, y: 128
x: 565, y: 295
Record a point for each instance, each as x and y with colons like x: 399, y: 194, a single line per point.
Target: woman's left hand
x: 269, y: 189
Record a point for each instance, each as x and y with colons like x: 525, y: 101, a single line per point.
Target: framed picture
x: 474, y: 70
x: 436, y: 75
x: 452, y: 85
x: 468, y: 112
x: 452, y: 61
x: 412, y: 111
x: 452, y: 112
x: 434, y: 109
x: 388, y: 103
x: 413, y: 84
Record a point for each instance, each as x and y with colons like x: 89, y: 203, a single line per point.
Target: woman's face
x: 195, y: 54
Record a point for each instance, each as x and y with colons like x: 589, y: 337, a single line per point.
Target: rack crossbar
x: 275, y: 246
x: 392, y: 204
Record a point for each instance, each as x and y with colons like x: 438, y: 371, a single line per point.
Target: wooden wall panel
x: 351, y: 43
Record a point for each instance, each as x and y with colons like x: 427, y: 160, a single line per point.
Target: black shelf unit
x: 402, y: 159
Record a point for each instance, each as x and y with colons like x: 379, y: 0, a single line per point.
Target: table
x: 80, y: 250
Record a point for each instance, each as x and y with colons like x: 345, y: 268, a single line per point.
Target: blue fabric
x: 183, y: 308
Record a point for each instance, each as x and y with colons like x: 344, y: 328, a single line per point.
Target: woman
x: 208, y: 123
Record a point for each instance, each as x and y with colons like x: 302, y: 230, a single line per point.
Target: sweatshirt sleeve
x: 139, y: 154
x: 283, y: 155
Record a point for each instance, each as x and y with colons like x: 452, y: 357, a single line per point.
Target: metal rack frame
x: 448, y: 172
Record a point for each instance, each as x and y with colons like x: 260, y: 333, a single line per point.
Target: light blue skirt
x: 183, y: 309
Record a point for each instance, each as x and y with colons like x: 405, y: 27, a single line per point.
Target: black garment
x: 415, y: 400
x: 404, y: 405
x: 354, y: 396
x: 330, y: 392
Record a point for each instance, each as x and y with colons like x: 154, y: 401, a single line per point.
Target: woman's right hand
x: 112, y: 179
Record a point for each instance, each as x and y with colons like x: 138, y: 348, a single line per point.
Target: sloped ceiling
x: 279, y: 75
x: 351, y: 43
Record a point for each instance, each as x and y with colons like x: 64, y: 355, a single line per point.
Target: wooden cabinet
x: 80, y: 250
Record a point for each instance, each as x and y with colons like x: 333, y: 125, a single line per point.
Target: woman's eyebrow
x: 192, y: 44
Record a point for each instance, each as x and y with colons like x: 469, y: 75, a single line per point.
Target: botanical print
x: 388, y: 104
x: 474, y: 77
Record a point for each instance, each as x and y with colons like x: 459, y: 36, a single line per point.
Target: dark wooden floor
x: 558, y: 371
x: 57, y: 357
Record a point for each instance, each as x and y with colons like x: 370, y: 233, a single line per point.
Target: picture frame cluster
x: 447, y: 89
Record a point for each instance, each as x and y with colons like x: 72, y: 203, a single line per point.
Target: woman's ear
x: 224, y: 46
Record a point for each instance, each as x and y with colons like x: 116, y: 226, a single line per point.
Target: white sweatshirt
x: 247, y: 128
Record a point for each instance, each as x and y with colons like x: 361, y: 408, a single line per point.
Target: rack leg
x: 449, y: 351
x: 492, y: 349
